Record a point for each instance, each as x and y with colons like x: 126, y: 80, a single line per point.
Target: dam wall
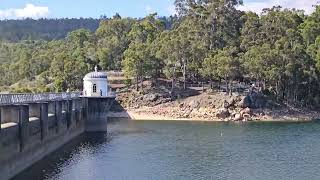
x: 96, y: 114
x: 31, y: 130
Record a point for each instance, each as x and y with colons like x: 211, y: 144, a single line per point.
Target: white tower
x: 95, y: 84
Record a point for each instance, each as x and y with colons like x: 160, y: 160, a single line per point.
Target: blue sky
x: 15, y: 9
x: 93, y: 8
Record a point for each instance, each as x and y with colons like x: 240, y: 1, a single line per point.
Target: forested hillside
x: 50, y: 29
x: 209, y: 41
x: 45, y: 29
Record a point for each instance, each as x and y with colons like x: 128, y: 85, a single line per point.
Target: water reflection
x: 69, y: 155
x: 187, y: 151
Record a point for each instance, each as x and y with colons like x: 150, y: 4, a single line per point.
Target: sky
x: 19, y: 9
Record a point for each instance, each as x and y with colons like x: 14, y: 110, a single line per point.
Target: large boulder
x: 231, y: 102
x: 246, y: 111
x: 150, y: 97
x: 223, y: 113
x: 253, y: 100
x: 245, y: 102
x: 194, y: 104
x: 258, y: 100
x: 238, y: 117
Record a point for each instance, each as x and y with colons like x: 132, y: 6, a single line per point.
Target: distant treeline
x: 49, y: 29
x: 45, y: 29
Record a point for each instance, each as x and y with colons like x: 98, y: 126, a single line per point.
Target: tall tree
x: 310, y: 28
x: 138, y: 58
x: 112, y: 41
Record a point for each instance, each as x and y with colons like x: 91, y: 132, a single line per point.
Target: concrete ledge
x: 51, y: 115
x: 8, y: 125
x: 34, y: 119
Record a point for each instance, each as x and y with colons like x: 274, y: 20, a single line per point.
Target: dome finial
x: 96, y: 68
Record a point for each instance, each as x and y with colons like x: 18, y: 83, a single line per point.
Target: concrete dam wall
x: 32, y: 129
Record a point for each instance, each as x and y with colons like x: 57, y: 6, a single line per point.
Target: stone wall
x: 31, y: 131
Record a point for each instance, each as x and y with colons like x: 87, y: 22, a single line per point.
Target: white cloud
x: 149, y: 9
x: 172, y: 10
x: 29, y: 11
x: 306, y: 5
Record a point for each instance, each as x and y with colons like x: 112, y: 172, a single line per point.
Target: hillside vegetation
x: 43, y: 29
x: 209, y: 41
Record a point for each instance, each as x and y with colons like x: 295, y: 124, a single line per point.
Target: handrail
x: 29, y: 98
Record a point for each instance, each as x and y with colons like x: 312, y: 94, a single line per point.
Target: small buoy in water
x: 221, y: 134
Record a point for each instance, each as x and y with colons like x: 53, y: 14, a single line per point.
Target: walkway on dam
x: 34, y: 125
x: 7, y: 99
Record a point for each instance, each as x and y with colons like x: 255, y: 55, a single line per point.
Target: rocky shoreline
x: 208, y: 107
x: 146, y: 115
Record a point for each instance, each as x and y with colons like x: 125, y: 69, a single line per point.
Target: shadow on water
x: 72, y: 152
x: 52, y: 163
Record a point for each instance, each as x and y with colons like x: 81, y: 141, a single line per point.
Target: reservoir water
x: 165, y: 150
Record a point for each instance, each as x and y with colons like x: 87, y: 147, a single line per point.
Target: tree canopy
x: 208, y: 40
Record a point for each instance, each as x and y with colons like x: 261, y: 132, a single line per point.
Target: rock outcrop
x: 253, y: 100
x: 215, y: 106
x: 223, y: 113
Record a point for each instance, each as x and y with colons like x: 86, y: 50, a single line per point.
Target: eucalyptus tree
x: 276, y: 21
x: 112, y: 41
x: 295, y: 68
x: 251, y: 31
x: 212, y: 25
x: 217, y: 21
x: 78, y: 37
x: 173, y: 50
x: 310, y: 28
x: 223, y: 64
x: 275, y: 52
x: 138, y: 58
x: 314, y: 52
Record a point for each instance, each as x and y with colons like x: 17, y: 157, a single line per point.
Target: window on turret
x: 94, y: 88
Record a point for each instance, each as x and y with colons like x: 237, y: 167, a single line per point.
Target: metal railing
x: 29, y: 98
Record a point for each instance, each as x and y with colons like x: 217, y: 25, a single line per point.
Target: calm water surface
x: 147, y: 150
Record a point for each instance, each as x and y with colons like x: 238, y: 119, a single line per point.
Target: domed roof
x: 96, y: 74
